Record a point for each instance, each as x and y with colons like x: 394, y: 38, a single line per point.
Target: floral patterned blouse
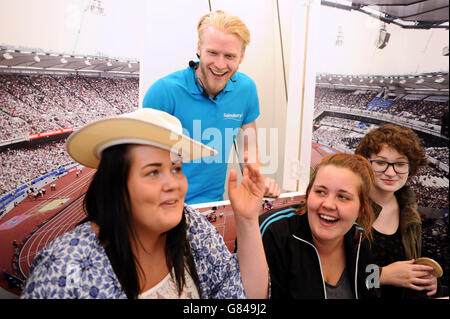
x: 75, y: 265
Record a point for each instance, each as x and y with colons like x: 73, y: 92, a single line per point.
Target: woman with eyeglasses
x: 396, y: 155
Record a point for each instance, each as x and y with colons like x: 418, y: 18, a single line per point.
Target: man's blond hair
x: 224, y: 22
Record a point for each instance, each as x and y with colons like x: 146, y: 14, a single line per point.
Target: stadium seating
x: 38, y: 103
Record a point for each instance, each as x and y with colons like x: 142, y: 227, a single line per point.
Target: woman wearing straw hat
x: 139, y: 239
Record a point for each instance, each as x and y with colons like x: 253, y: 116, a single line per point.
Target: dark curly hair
x: 400, y: 138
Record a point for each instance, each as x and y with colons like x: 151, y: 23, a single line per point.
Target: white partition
x: 169, y: 42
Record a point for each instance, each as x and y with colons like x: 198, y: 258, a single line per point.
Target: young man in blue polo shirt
x: 213, y: 102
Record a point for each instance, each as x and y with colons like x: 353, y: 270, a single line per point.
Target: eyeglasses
x: 382, y: 166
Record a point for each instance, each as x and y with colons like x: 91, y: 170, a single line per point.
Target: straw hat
x: 144, y: 126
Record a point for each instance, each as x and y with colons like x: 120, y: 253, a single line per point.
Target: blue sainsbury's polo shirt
x: 214, y: 122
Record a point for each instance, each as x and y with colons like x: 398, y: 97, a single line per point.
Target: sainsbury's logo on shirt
x: 232, y: 116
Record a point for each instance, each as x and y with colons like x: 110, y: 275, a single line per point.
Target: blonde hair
x: 224, y: 22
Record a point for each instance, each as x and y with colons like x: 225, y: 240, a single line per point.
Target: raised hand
x: 246, y: 199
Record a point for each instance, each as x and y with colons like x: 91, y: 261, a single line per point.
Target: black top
x: 387, y: 249
x: 294, y: 265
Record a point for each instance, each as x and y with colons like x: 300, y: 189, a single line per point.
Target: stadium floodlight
x: 383, y: 37
x: 7, y: 56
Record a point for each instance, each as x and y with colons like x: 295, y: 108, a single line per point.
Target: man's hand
x: 247, y: 198
x: 271, y: 188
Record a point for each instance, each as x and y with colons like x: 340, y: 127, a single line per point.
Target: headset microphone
x: 192, y: 65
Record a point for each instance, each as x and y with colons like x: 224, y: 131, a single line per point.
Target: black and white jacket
x: 294, y: 262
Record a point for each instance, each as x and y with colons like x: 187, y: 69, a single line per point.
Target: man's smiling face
x: 220, y: 55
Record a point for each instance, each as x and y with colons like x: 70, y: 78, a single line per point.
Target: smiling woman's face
x: 389, y: 181
x: 333, y: 203
x: 157, y: 188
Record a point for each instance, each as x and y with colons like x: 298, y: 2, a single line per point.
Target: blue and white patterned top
x: 75, y: 265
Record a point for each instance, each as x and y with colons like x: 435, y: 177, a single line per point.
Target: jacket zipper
x: 320, y: 265
x: 356, y: 266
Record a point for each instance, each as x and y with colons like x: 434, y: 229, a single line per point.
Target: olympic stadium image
x: 46, y: 94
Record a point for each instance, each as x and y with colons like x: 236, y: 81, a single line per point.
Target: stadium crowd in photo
x: 41, y: 188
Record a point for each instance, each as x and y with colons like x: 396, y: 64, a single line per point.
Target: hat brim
x: 86, y: 144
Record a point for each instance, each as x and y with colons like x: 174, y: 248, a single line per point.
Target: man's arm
x: 247, y: 136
